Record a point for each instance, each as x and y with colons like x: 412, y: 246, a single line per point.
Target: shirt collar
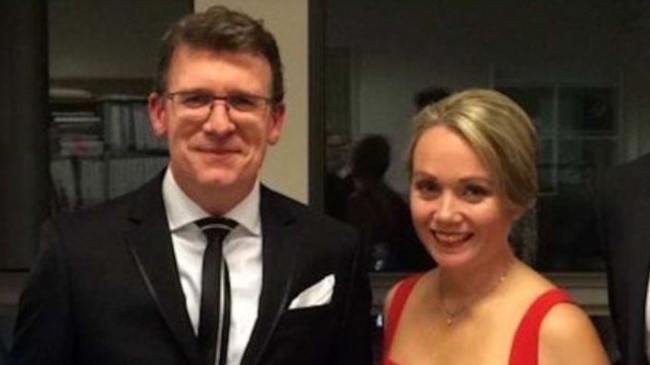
x: 182, y: 211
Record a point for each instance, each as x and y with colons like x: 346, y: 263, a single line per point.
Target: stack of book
x: 76, y: 133
x: 126, y: 125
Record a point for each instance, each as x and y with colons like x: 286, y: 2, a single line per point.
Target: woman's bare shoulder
x: 526, y: 285
x: 422, y: 280
x: 567, y: 335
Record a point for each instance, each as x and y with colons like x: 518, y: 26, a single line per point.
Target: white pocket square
x: 317, y: 294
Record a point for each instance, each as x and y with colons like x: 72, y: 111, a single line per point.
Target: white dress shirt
x: 242, y: 250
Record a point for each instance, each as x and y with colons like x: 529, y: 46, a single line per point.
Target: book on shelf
x: 91, y: 182
x: 63, y: 129
x: 69, y: 93
x: 144, y: 138
x: 64, y: 183
x: 126, y: 174
x: 80, y: 147
x: 127, y: 126
x: 76, y: 139
x: 75, y: 117
x: 102, y: 147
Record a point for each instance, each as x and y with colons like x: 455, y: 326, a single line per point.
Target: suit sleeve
x: 43, y: 333
x: 4, y: 359
x: 604, y: 216
x: 354, y: 334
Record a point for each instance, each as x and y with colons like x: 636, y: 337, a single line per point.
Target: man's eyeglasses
x: 199, y: 105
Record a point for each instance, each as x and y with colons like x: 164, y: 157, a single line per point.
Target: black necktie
x: 215, y: 229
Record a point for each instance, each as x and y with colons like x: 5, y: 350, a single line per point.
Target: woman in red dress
x: 473, y: 174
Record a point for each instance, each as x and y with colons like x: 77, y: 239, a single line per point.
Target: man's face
x: 216, y: 145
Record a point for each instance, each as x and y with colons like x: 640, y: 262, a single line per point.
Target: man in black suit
x: 623, y: 217
x: 121, y: 283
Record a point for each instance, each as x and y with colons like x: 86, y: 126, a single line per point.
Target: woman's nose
x: 447, y: 209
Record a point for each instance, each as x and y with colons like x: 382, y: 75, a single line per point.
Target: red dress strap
x: 526, y: 342
x: 402, y: 293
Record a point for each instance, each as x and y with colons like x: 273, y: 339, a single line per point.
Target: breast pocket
x: 304, y: 336
x: 310, y: 326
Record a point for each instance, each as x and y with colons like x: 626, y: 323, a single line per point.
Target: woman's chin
x: 457, y: 255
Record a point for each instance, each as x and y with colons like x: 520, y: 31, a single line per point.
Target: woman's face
x: 458, y: 211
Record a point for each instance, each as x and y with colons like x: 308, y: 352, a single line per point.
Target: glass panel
x: 546, y: 166
x: 537, y: 102
x: 587, y: 93
x: 581, y: 159
x: 566, y: 232
x: 587, y: 110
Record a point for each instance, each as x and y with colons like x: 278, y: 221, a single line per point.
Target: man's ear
x: 157, y: 114
x: 276, y: 123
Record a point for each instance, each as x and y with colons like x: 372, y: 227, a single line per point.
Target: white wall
x: 286, y: 167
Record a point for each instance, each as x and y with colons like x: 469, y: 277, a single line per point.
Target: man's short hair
x: 221, y: 29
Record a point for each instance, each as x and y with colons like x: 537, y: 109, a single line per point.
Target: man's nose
x: 219, y: 120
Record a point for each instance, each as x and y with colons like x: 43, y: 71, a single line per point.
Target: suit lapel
x: 637, y: 264
x: 151, y: 246
x: 278, y: 257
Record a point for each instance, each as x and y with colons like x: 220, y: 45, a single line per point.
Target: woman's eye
x: 475, y: 192
x: 427, y: 187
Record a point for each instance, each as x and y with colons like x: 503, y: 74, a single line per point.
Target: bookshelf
x: 100, y: 147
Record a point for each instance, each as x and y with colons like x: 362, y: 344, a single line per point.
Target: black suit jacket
x: 623, y: 215
x: 4, y: 359
x: 105, y: 290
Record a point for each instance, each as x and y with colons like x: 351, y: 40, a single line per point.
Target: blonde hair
x: 499, y: 132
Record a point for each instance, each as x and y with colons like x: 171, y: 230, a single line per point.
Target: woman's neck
x: 461, y: 288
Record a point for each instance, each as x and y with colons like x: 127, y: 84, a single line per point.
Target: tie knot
x: 216, y: 228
